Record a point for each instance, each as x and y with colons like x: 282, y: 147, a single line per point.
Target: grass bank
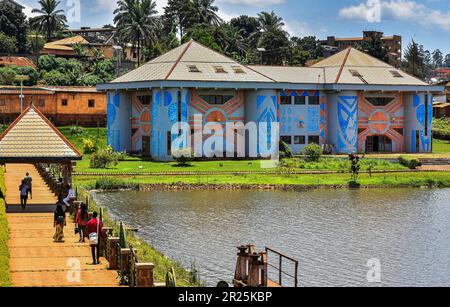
x: 5, y: 280
x: 146, y: 253
x: 415, y: 179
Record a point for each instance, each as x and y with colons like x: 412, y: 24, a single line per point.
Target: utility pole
x: 21, y: 78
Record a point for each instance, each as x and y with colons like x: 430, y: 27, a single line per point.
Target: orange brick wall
x: 77, y: 110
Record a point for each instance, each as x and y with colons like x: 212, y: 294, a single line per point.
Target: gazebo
x: 32, y: 140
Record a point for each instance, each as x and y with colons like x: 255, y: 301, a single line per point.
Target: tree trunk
x: 139, y: 52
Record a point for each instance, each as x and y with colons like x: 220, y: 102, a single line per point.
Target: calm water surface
x: 333, y: 233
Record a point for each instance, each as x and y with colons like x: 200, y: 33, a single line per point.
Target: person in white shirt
x: 70, y: 194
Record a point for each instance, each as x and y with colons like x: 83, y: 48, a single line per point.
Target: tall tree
x: 270, y: 22
x: 178, y: 15
x: 374, y: 47
x: 447, y: 61
x: 204, y: 11
x: 414, y: 60
x: 274, y: 39
x: 249, y: 28
x: 136, y: 23
x: 50, y: 19
x: 13, y: 23
x: 438, y: 58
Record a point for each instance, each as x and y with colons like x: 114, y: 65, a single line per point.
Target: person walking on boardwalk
x: 94, y: 229
x: 59, y: 221
x: 81, y: 219
x: 23, y: 194
x: 29, y: 182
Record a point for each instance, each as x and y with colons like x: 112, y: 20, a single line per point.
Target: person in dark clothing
x: 81, y: 219
x: 23, y: 188
x: 29, y: 182
x: 94, y: 230
x: 59, y: 221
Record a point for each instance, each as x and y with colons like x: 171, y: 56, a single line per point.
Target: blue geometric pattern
x: 348, y: 123
x: 112, y: 110
x: 313, y: 120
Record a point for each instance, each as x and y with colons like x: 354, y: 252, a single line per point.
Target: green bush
x: 104, y: 158
x: 122, y: 156
x: 409, y: 163
x: 183, y: 157
x: 313, y: 152
x: 285, y: 151
x: 89, y: 146
x: 111, y: 183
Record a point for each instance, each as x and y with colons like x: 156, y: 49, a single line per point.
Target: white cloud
x: 402, y: 10
x: 110, y: 5
x: 254, y: 3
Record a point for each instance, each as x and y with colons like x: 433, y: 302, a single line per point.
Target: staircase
x: 44, y: 199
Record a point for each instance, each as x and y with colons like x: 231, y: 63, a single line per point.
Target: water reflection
x: 333, y: 233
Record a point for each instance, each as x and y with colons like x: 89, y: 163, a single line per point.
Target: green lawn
x: 438, y: 179
x: 441, y: 147
x: 4, y: 234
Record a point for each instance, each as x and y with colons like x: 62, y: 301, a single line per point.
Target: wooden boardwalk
x: 13, y: 177
x: 35, y: 260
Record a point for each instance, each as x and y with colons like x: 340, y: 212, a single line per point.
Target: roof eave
x: 385, y: 87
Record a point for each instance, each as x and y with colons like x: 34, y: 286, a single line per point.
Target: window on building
x: 91, y: 103
x: 286, y: 139
x: 41, y: 103
x: 300, y: 100
x: 313, y: 139
x: 64, y: 102
x: 169, y: 143
x: 220, y: 70
x: 396, y: 74
x: 145, y: 99
x: 285, y: 100
x: 193, y: 68
x: 380, y: 101
x: 2, y: 102
x: 299, y: 140
x: 238, y: 70
x: 216, y: 99
x: 314, y: 100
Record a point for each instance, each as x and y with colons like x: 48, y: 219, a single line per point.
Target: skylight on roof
x: 238, y: 70
x: 220, y: 70
x: 396, y: 74
x: 193, y: 68
x: 356, y: 73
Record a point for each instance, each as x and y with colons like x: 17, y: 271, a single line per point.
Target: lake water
x: 332, y: 233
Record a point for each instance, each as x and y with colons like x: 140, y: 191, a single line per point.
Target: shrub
x: 76, y: 131
x: 110, y: 183
x: 183, y: 157
x: 409, y: 163
x: 285, y: 151
x: 104, y: 158
x: 89, y: 146
x: 122, y: 155
x: 313, y: 152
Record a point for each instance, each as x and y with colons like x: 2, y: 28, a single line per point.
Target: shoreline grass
x: 416, y: 179
x: 5, y: 279
x: 145, y: 252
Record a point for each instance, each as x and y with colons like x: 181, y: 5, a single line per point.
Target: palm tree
x: 50, y: 19
x: 136, y: 21
x: 206, y: 12
x: 270, y: 22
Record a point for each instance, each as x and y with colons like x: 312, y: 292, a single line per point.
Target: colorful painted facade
x: 369, y: 106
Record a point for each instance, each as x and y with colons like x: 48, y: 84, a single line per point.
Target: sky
x: 425, y: 21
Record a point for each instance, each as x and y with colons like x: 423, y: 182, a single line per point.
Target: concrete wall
x: 119, y: 121
x: 418, y: 122
x: 343, y: 121
x: 303, y: 120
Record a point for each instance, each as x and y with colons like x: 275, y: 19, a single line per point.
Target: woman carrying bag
x: 94, y: 229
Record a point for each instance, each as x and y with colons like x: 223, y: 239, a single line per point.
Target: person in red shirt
x: 94, y: 230
x: 81, y: 219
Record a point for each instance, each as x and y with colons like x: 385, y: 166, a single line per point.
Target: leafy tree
x: 447, y: 61
x: 104, y: 70
x: 309, y: 44
x: 136, y: 23
x: 204, y: 35
x: 91, y: 80
x: 178, y: 15
x: 414, y: 60
x: 57, y: 78
x: 276, y: 44
x: 270, y: 22
x: 13, y: 23
x: 249, y: 28
x: 47, y: 63
x: 7, y: 44
x: 438, y: 58
x: 374, y: 47
x: 33, y: 75
x: 50, y: 19
x: 7, y: 76
x: 205, y: 12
